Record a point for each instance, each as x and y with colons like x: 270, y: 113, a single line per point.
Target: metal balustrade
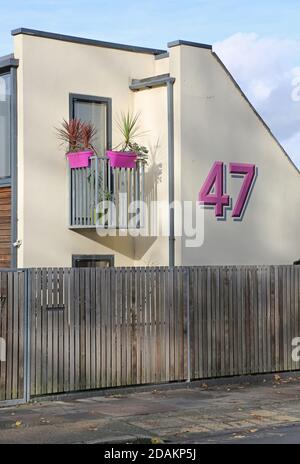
x: 100, y: 195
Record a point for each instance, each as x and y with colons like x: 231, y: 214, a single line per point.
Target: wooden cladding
x: 5, y: 227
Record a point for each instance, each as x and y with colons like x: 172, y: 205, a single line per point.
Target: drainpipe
x: 149, y: 83
x: 171, y: 171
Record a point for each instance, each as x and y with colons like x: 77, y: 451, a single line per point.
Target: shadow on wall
x: 153, y: 177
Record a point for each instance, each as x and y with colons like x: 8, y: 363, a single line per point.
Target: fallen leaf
x: 44, y: 421
x: 156, y: 440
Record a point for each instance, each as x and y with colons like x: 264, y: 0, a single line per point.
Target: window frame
x: 9, y: 65
x: 110, y: 258
x: 5, y: 181
x: 73, y: 97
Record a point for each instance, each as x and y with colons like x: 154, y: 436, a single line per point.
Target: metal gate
x: 13, y: 337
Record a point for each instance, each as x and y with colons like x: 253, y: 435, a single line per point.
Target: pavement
x: 267, y: 411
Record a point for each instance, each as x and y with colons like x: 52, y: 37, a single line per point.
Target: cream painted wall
x: 218, y: 124
x: 49, y: 70
x: 152, y: 103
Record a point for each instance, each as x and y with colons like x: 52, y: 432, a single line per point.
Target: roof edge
x: 83, y: 41
x: 176, y: 43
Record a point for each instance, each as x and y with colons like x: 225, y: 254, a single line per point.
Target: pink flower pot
x: 122, y: 159
x: 79, y: 159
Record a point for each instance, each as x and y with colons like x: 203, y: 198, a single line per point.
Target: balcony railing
x: 100, y: 195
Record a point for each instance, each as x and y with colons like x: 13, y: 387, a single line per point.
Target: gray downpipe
x: 171, y: 172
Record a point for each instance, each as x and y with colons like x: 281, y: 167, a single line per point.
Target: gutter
x: 149, y: 83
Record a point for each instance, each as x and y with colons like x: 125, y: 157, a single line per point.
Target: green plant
x: 128, y: 124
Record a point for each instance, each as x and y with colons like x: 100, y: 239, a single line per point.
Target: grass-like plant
x: 128, y: 124
x: 88, y: 134
x: 70, y: 133
x: 77, y: 135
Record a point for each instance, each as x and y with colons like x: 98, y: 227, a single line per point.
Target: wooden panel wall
x: 5, y: 227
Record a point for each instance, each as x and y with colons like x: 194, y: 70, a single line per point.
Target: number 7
x: 249, y: 171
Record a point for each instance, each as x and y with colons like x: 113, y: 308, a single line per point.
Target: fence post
x: 26, y: 335
x: 187, y: 283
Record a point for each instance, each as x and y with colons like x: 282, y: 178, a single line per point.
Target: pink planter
x: 122, y: 159
x: 79, y: 159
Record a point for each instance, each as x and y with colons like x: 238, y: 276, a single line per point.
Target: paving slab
x: 200, y: 412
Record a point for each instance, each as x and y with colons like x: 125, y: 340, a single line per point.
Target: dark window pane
x: 5, y: 97
x: 101, y: 263
x: 95, y: 113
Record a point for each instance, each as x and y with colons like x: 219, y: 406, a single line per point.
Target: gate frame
x: 26, y: 347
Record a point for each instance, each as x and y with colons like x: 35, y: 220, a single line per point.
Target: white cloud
x: 268, y: 71
x: 292, y: 145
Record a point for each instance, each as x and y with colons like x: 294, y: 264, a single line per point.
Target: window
x: 5, y: 125
x: 99, y: 261
x: 95, y: 110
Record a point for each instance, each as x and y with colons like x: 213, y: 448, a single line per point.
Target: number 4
x: 215, y: 182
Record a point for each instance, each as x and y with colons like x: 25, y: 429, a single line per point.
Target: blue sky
x: 152, y: 23
x: 259, y: 40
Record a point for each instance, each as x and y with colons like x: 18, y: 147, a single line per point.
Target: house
x: 207, y: 146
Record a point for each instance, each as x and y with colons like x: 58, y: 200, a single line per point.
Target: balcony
x: 100, y: 196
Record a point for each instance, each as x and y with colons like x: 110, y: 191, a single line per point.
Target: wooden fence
x: 12, y: 335
x: 243, y: 319
x: 94, y: 328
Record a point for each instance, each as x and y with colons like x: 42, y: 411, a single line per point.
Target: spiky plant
x: 128, y: 124
x: 71, y: 133
x: 88, y: 134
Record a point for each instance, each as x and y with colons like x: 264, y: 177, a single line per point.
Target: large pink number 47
x: 212, y: 191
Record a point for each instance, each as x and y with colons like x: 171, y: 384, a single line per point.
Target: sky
x: 258, y: 40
